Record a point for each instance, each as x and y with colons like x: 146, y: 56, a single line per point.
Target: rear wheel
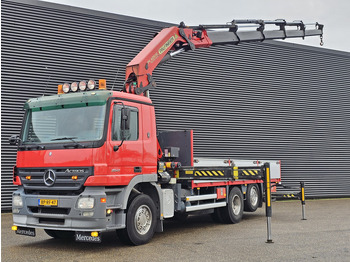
x: 233, y: 212
x: 140, y: 221
x: 252, y: 201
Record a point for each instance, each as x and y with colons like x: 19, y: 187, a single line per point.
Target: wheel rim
x: 253, y: 196
x: 236, y: 205
x: 143, y: 219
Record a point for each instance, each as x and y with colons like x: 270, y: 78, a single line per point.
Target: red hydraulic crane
x: 174, y: 40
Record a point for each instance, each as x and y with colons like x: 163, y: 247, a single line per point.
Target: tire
x: 233, y: 212
x: 123, y: 236
x: 140, y: 221
x: 253, y: 198
x: 216, y: 216
x: 58, y: 234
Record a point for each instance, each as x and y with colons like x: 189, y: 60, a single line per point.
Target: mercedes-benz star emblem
x: 49, y: 177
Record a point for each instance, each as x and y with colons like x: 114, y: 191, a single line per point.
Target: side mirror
x: 14, y: 140
x: 125, y: 123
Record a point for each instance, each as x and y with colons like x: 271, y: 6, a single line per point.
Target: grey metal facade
x: 271, y: 100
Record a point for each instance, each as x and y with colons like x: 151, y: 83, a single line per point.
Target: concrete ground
x: 324, y: 236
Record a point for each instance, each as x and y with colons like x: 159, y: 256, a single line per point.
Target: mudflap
x: 86, y: 237
x: 26, y: 231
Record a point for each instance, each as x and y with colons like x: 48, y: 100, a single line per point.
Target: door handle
x: 137, y: 169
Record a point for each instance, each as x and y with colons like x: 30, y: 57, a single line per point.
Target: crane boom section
x: 139, y: 70
x: 174, y: 40
x: 222, y: 38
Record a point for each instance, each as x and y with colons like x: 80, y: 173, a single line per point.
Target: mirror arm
x: 123, y: 122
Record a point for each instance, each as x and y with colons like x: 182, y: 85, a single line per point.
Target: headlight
x: 85, y: 203
x: 65, y: 87
x: 17, y: 201
x: 74, y: 86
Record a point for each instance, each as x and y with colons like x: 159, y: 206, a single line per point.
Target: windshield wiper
x: 65, y: 138
x: 30, y: 147
x: 76, y: 144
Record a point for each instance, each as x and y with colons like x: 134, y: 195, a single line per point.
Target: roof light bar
x: 82, y: 86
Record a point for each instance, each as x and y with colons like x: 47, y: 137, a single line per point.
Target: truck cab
x: 79, y: 156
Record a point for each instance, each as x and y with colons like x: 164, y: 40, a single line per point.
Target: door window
x: 133, y: 133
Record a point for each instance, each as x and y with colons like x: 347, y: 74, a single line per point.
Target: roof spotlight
x: 82, y: 85
x: 74, y: 86
x: 66, y: 87
x: 91, y: 84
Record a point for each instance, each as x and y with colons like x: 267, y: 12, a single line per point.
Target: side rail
x: 219, y: 173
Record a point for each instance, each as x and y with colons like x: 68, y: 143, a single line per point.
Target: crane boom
x: 174, y: 40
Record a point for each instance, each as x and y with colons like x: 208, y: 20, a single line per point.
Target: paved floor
x: 324, y: 236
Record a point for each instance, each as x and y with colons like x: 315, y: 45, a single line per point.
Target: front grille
x: 33, y: 179
x: 49, y: 210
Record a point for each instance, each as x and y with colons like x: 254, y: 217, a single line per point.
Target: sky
x: 334, y: 14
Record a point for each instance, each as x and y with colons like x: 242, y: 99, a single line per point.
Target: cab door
x: 125, y: 158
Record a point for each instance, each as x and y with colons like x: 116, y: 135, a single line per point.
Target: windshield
x: 64, y: 124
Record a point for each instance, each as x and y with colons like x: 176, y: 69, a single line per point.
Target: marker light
x: 60, y: 90
x: 74, y: 86
x: 74, y: 177
x: 94, y: 234
x: 65, y: 88
x: 82, y: 85
x: 14, y: 228
x: 28, y: 177
x: 103, y: 200
x: 102, y: 84
x: 91, y: 84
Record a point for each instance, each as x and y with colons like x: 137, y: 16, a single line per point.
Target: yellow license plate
x: 48, y: 202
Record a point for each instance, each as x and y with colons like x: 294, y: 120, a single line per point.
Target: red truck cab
x: 79, y: 156
x: 83, y: 130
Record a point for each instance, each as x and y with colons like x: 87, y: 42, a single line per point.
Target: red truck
x: 91, y: 160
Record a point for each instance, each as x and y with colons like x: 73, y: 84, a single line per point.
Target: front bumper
x: 66, y: 216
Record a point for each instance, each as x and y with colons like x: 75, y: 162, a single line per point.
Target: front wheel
x: 140, y: 221
x: 233, y: 212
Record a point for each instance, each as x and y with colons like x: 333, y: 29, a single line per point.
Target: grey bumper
x: 66, y: 215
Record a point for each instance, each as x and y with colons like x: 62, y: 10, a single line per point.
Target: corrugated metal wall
x: 253, y: 101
